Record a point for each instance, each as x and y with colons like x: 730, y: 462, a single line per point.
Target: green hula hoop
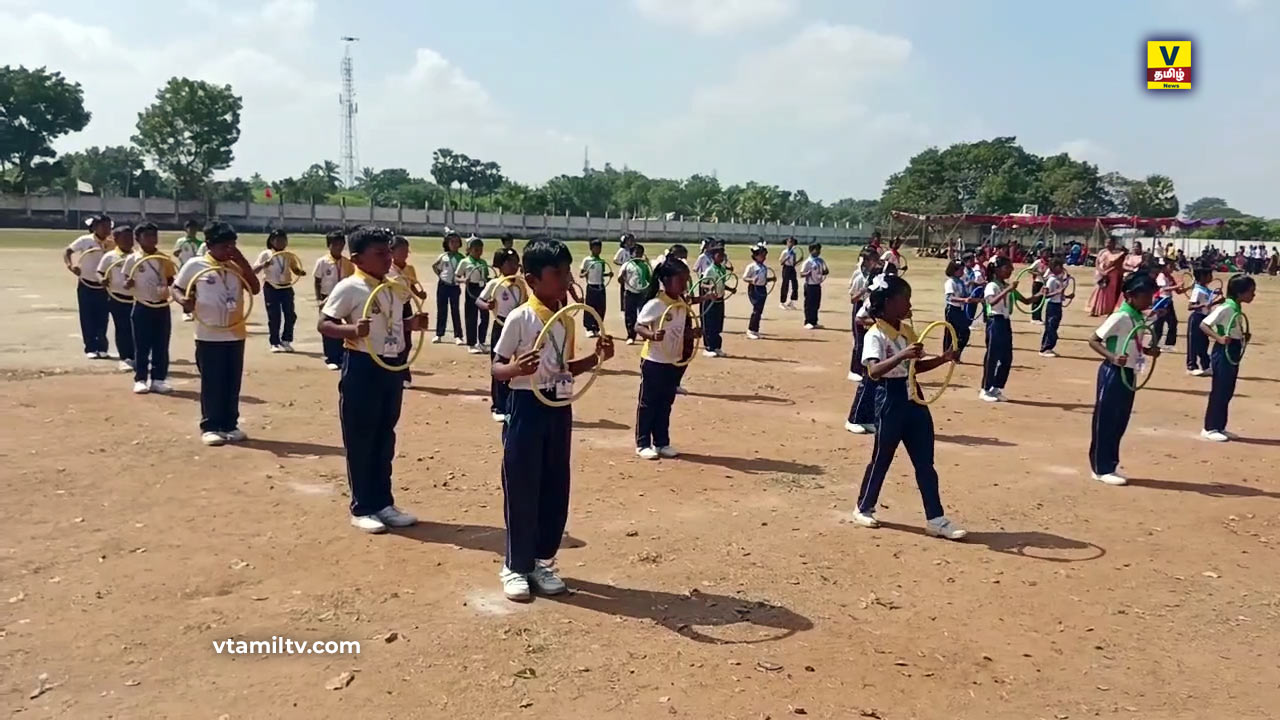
x: 1241, y: 319
x: 1131, y: 339
x: 1017, y: 296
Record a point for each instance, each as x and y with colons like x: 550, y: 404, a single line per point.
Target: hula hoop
x: 971, y: 309
x: 1216, y: 286
x: 508, y: 281
x: 1132, y: 338
x: 694, y: 322
x: 466, y: 281
x: 1188, y: 280
x: 1018, y: 298
x: 917, y: 396
x: 244, y: 290
x: 1241, y: 319
x: 770, y: 280
x: 134, y: 271
x: 393, y: 286
x: 292, y: 262
x: 606, y: 273
x: 106, y: 283
x: 541, y: 341
x: 79, y: 262
x: 647, y: 274
x: 1068, y: 291
x: 720, y: 282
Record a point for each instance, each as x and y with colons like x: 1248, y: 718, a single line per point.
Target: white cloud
x: 1088, y: 150
x: 711, y: 17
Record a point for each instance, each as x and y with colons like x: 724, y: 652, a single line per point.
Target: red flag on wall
x: 267, y: 193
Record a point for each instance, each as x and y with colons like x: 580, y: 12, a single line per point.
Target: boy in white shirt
x: 1225, y: 328
x: 119, y: 298
x: 501, y: 297
x: 151, y: 319
x: 790, y: 289
x: 636, y: 280
x: 756, y: 276
x: 91, y: 297
x: 859, y: 282
x: 328, y: 272
x: 663, y: 347
x: 1055, y: 288
x: 596, y: 274
x: 278, y: 269
x: 1199, y: 301
x: 814, y: 271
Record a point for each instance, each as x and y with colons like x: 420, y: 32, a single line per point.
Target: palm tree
x: 366, y: 176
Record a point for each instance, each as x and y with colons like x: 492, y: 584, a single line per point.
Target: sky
x: 830, y: 96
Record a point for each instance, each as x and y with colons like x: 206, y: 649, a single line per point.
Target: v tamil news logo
x: 1168, y: 64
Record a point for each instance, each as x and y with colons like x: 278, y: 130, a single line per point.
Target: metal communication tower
x: 349, y: 108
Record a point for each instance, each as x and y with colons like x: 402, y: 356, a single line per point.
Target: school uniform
x: 659, y: 374
x: 999, y: 357
x: 119, y: 310
x: 408, y: 276
x: 977, y: 279
x: 186, y: 249
x: 91, y: 297
x: 1052, y: 311
x: 328, y: 272
x: 152, y: 326
x: 447, y: 293
x: 1224, y: 371
x: 790, y: 281
x: 592, y: 272
x: 277, y: 295
x: 536, y: 440
x: 863, y: 409
x: 1039, y: 272
x: 620, y: 259
x: 713, y: 288
x: 1113, y: 402
x: 702, y: 264
x: 1166, y: 323
x: 472, y: 274
x: 219, y: 350
x: 1197, y: 341
x: 858, y: 296
x: 756, y: 276
x: 503, y: 298
x: 955, y: 312
x: 635, y: 277
x: 899, y: 420
x: 894, y: 258
x: 369, y: 396
x: 814, y: 271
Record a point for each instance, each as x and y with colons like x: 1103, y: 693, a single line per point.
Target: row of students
x: 142, y: 330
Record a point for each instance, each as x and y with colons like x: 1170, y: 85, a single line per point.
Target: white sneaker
x: 708, y: 353
x: 159, y: 386
x: 235, y: 435
x: 368, y: 523
x: 125, y: 366
x: 1214, y: 436
x: 681, y: 391
x: 514, y: 585
x: 546, y: 580
x: 91, y: 355
x: 1201, y: 373
x: 437, y: 340
x: 631, y: 341
x: 141, y: 388
x: 1049, y: 354
x: 186, y: 317
x: 286, y: 347
x: 856, y: 428
x: 721, y: 354
x: 791, y: 304
x: 498, y: 417
x: 752, y: 336
x: 1110, y: 479
x: 103, y: 355
x: 985, y: 396
x: 475, y: 350
x: 668, y: 452
x: 944, y: 528
x: 1037, y: 322
x: 213, y: 439
x: 855, y: 377
x: 783, y: 305
x: 810, y: 326
x: 459, y: 341
x: 277, y: 349
x: 333, y: 366
x: 647, y: 453
x: 591, y: 333
x: 866, y: 520
x: 392, y: 516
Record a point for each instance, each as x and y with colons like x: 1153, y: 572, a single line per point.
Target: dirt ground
x: 725, y: 584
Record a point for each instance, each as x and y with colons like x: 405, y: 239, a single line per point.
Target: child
x: 1039, y: 272
x: 711, y: 290
x: 91, y: 297
x: 537, y: 439
x: 1055, y: 288
x: 1116, y: 375
x: 508, y: 241
x: 893, y: 256
x: 1229, y: 339
x: 187, y: 247
x: 999, y: 357
x: 472, y: 274
x: 1166, y: 323
x: 956, y: 298
x: 790, y: 282
x: 814, y: 271
x: 407, y: 274
x: 501, y: 298
x: 859, y: 290
x: 152, y: 325
x: 1199, y: 302
x: 862, y: 413
x: 329, y: 270
x: 626, y: 247
x: 635, y: 280
x: 447, y: 291
x: 888, y: 347
x: 756, y: 277
x: 704, y: 261
x: 369, y: 396
x: 220, y: 344
x: 278, y: 271
x: 659, y: 375
x: 592, y: 273
x: 119, y: 310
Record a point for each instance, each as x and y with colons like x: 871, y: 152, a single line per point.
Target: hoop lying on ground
x: 292, y: 268
x: 691, y: 340
x: 562, y: 316
x: 913, y: 387
x: 166, y: 263
x: 222, y: 270
x: 1133, y: 343
x: 1242, y: 321
x: 394, y: 287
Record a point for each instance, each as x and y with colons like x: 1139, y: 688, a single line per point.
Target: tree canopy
x: 36, y: 108
x: 190, y: 130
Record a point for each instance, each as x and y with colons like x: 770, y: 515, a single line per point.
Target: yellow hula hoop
x: 507, y: 281
x: 694, y: 322
x: 541, y: 341
x: 912, y: 387
x: 79, y: 261
x: 134, y: 271
x: 293, y: 262
x: 106, y: 283
x: 395, y: 286
x: 189, y: 292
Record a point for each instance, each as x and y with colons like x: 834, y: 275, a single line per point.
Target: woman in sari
x: 1107, y: 274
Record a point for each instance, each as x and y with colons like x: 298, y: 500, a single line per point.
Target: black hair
x: 1203, y: 274
x: 677, y: 249
x: 637, y: 250
x: 363, y: 238
x: 144, y: 228
x: 996, y: 262
x: 594, y: 242
x: 216, y: 233
x: 953, y: 267
x: 121, y: 229
x: 543, y: 253
x: 1055, y: 262
x: 759, y: 249
x: 1239, y: 285
x: 504, y: 254
x: 444, y: 241
x: 867, y: 254
x: 276, y: 233
x: 508, y: 237
x: 191, y: 224
x: 398, y: 241
x: 95, y: 219
x: 1138, y: 282
x: 669, y: 268
x: 895, y: 286
x: 792, y: 239
x: 815, y: 246
x: 474, y: 242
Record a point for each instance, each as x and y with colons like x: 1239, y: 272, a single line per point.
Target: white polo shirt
x: 1115, y: 330
x: 703, y: 262
x: 1053, y: 284
x: 671, y: 349
x: 329, y: 271
x: 279, y: 267
x: 858, y: 285
x: 877, y: 346
x: 814, y: 270
x: 636, y: 275
x: 1221, y: 315
x: 622, y: 256
x: 1200, y: 295
x: 151, y: 278
x: 592, y: 269
x: 447, y: 266
x: 185, y: 249
x: 518, y: 335
x: 788, y: 257
x: 220, y: 299
x: 114, y: 260
x: 1001, y: 308
x: 893, y: 257
x: 91, y: 251
x: 1166, y: 285
x: 953, y: 292
x: 756, y: 274
x: 504, y: 297
x: 472, y: 271
x: 386, y: 316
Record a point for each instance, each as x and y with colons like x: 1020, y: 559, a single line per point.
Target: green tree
x: 234, y: 190
x: 1069, y: 187
x: 113, y: 169
x: 1210, y: 207
x: 190, y: 130
x: 699, y: 194
x: 36, y: 108
x: 1153, y: 197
